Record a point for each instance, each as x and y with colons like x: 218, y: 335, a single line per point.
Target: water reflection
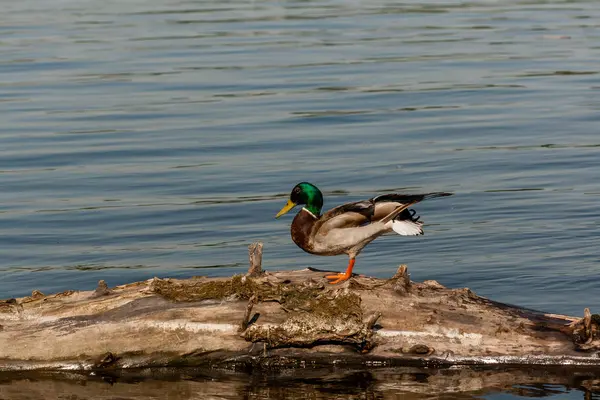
x: 398, y: 383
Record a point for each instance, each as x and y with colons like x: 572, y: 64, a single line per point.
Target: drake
x: 348, y: 228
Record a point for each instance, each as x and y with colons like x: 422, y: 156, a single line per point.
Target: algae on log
x: 282, y: 320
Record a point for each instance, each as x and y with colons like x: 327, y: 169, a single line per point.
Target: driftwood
x: 284, y: 319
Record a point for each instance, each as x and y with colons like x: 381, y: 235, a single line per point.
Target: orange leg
x: 337, y: 278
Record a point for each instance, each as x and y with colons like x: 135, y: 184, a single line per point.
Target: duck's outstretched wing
x: 386, y: 205
x: 347, y: 216
x: 380, y: 208
x: 406, y: 198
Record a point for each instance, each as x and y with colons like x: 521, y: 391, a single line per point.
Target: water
x: 151, y: 138
x: 400, y: 383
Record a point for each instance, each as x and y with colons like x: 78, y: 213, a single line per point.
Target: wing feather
x: 347, y: 215
x: 360, y: 213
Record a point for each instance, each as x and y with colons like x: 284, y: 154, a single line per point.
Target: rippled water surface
x: 154, y: 138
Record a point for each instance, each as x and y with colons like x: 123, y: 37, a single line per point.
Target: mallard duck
x: 350, y: 227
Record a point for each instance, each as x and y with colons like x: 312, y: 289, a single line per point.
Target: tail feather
x: 407, y: 227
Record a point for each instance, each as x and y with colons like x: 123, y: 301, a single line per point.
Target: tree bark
x: 284, y: 320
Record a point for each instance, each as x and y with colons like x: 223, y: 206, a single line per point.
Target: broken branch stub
x: 586, y: 332
x: 102, y: 289
x: 255, y: 256
x: 244, y: 325
x: 401, y: 280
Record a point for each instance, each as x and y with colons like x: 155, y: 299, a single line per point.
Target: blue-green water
x: 153, y: 138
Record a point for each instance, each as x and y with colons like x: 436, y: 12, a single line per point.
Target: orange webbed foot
x: 337, y: 278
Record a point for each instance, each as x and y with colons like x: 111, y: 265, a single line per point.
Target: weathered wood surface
x: 280, y: 320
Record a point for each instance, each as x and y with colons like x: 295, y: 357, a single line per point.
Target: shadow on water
x: 405, y: 383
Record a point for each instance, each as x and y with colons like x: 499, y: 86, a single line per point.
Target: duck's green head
x: 307, y: 194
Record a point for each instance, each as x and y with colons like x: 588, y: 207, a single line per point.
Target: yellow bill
x: 289, y: 205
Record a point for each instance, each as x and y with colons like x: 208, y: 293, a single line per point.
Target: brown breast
x: 301, y: 229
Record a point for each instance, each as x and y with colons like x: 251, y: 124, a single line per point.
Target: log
x: 285, y: 319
